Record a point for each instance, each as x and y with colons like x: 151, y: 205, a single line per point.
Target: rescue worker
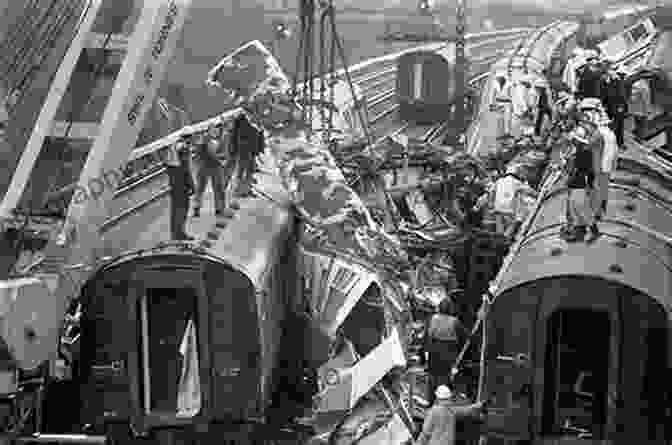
x: 503, y: 106
x: 247, y: 141
x: 209, y: 149
x: 181, y: 187
x: 590, y: 78
x: 445, y: 336
x: 606, y: 159
x: 609, y: 157
x: 576, y: 61
x: 440, y: 425
x: 522, y: 102
x: 580, y: 184
x: 505, y: 191
x: 615, y: 100
x: 543, y: 106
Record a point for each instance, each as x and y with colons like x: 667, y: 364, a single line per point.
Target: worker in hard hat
x: 440, y: 423
x: 502, y: 105
x: 606, y: 160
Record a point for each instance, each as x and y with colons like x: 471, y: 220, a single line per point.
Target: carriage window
x: 638, y: 32
x: 417, y: 81
x: 171, y: 381
x: 576, y: 369
x: 365, y: 325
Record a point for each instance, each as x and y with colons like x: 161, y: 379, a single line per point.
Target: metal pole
x: 459, y: 117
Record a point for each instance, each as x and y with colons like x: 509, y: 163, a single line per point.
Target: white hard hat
x: 578, y: 51
x: 590, y: 103
x: 580, y: 134
x: 591, y: 54
x: 443, y: 392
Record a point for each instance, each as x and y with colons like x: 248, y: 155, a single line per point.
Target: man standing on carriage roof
x: 590, y: 77
x: 210, y: 149
x: 581, y: 202
x: 181, y: 187
x: 592, y: 108
x: 614, y: 97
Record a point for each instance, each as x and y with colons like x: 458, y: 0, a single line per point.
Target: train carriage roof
x: 635, y: 248
x: 534, y: 55
x: 249, y: 242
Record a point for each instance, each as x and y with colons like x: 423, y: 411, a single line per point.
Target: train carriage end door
x: 576, y: 373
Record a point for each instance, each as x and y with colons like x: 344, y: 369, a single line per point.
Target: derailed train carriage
x: 579, y: 337
x: 181, y: 335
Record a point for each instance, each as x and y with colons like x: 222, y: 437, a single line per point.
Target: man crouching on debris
x: 441, y: 420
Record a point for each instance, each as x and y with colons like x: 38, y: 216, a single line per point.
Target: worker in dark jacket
x: 247, y: 142
x: 581, y: 211
x: 440, y: 426
x: 615, y: 100
x: 445, y: 336
x: 181, y: 187
x: 590, y: 79
x: 208, y: 154
x: 543, y: 107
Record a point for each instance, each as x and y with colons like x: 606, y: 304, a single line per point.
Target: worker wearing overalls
x: 247, y: 142
x: 181, y: 187
x: 593, y: 109
x: 208, y: 152
x: 582, y: 211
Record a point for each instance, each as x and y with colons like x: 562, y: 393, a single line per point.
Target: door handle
x: 115, y: 368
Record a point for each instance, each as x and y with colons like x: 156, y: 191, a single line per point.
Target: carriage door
x: 171, y: 355
x: 576, y: 373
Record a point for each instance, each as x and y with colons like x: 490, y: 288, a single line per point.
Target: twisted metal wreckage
x: 347, y: 246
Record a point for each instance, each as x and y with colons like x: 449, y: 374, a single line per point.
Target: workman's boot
x: 594, y: 234
x: 578, y: 234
